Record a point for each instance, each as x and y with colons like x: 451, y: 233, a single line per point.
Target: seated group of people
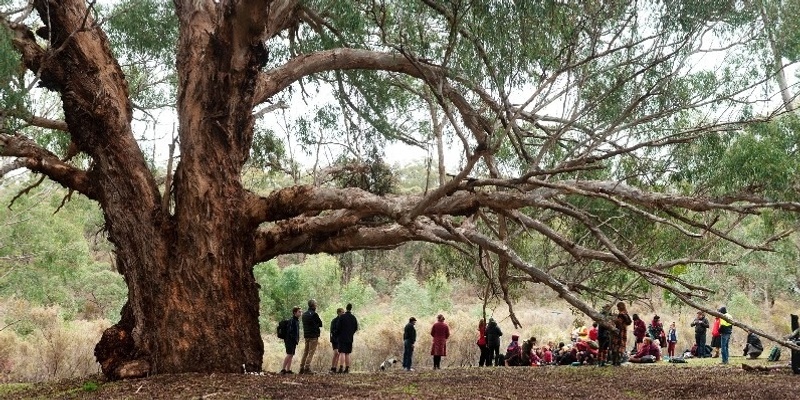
x: 581, y: 352
x: 527, y: 354
x: 584, y: 350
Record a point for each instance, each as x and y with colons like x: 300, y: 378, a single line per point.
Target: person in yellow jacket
x: 725, y: 330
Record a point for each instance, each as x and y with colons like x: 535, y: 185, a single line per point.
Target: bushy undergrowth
x: 48, y: 347
x: 41, y: 346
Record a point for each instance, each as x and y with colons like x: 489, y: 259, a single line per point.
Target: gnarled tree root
x: 116, y: 353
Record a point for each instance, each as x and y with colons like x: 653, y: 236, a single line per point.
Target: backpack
x: 774, y: 354
x: 283, y: 329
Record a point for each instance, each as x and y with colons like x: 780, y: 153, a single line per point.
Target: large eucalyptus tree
x: 564, y: 114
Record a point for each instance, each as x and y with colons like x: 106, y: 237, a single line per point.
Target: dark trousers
x: 437, y: 362
x: 494, y: 351
x: 486, y: 357
x: 408, y: 353
x: 701, y: 344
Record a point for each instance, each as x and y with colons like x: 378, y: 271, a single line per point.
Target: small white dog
x: 388, y: 363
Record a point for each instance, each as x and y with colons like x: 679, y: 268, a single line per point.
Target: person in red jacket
x: 716, y: 338
x: 649, y: 351
x: 485, y: 358
x: 440, y: 332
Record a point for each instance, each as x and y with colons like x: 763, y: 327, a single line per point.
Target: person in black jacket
x: 291, y: 340
x: 700, y: 325
x: 335, y: 339
x: 753, y: 348
x: 493, y: 334
x: 312, y: 324
x: 409, y: 338
x: 348, y: 325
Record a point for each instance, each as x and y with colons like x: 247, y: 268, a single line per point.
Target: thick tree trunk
x: 193, y: 300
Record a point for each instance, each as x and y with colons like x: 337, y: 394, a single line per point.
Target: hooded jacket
x: 493, y: 334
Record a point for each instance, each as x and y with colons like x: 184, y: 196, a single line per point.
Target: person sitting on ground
x: 514, y: 356
x: 586, y: 354
x: 547, y: 356
x: 648, y: 353
x: 568, y: 356
x: 753, y: 348
x: 593, y: 332
x: 558, y: 353
x: 528, y: 352
x: 657, y: 343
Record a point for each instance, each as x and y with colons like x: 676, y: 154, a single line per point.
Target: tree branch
x: 35, y: 158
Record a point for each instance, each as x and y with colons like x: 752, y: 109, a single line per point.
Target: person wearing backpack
x: 312, y: 324
x: 291, y: 339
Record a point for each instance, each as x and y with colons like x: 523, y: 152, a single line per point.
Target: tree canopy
x: 602, y: 146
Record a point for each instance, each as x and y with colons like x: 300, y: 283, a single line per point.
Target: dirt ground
x: 653, y: 381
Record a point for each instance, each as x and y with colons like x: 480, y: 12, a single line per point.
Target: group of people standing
x: 720, y: 335
x: 605, y: 345
x: 342, y: 329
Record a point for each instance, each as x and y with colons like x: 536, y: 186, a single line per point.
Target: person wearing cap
x: 493, y: 334
x: 440, y: 332
x: 725, y: 330
x: 409, y: 338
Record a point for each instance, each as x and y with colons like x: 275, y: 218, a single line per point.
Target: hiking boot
x: 283, y: 372
x: 307, y: 371
x: 346, y: 370
x: 341, y: 370
x: 288, y: 371
x: 333, y: 370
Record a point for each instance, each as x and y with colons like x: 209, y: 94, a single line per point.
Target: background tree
x: 565, y: 118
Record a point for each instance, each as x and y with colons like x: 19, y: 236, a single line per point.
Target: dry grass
x: 52, y: 349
